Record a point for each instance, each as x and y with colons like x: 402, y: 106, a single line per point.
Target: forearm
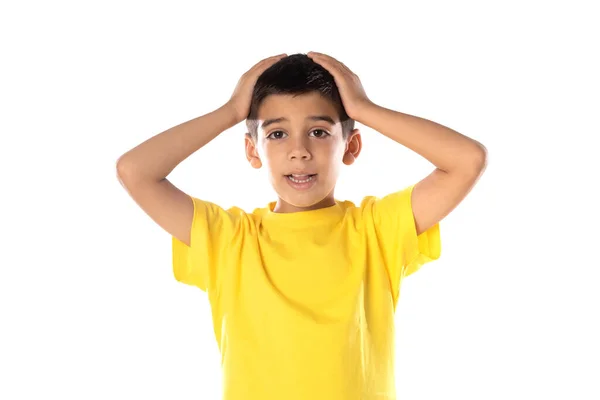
x: 155, y: 158
x: 445, y: 148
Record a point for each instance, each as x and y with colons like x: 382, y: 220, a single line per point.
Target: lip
x: 300, y: 173
x: 302, y: 186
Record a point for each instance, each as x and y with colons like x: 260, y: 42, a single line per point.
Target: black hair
x: 296, y: 74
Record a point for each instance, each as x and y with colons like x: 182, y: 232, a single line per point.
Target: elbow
x: 478, y: 157
x: 131, y: 172
x: 483, y: 157
x: 123, y: 169
x: 475, y: 162
x: 120, y: 166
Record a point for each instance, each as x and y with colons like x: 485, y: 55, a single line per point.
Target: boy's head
x: 298, y: 129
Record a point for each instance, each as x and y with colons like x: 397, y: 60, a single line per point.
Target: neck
x: 283, y: 207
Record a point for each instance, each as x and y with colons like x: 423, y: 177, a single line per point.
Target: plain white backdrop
x: 89, y: 308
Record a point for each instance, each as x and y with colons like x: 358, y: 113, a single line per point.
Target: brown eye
x: 321, y: 134
x: 273, y: 135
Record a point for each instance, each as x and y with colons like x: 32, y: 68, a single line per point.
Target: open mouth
x: 301, y: 178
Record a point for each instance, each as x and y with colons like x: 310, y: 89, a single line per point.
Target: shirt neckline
x: 310, y: 217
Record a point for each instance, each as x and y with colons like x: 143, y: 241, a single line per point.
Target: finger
x: 346, y: 67
x: 267, y: 62
x: 272, y: 59
x: 340, y: 65
x: 325, y: 56
x: 331, y: 64
x: 277, y: 57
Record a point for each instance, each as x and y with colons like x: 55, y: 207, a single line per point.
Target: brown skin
x: 459, y: 160
x: 143, y: 170
x: 298, y: 145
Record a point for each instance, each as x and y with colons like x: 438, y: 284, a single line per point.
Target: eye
x: 270, y: 135
x: 322, y: 132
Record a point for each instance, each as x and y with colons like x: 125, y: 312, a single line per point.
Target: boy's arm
x: 459, y: 160
x: 143, y: 170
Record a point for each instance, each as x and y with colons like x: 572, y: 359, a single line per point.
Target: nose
x: 299, y: 150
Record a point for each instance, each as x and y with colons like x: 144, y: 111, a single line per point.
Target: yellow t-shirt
x: 303, y: 303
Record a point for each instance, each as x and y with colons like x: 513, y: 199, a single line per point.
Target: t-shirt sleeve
x: 402, y: 250
x: 213, y: 228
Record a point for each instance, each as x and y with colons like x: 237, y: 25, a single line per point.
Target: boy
x: 303, y: 291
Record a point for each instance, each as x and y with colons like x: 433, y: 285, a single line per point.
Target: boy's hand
x: 351, y: 90
x: 242, y: 95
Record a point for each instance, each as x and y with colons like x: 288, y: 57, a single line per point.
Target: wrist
x: 363, y: 111
x: 234, y: 114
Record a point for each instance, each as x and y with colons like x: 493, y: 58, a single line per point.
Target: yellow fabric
x: 303, y: 303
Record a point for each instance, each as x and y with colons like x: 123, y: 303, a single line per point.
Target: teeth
x: 293, y: 179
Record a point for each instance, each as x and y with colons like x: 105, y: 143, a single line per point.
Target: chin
x: 304, y: 195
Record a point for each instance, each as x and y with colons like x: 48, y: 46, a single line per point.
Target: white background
x: 89, y: 308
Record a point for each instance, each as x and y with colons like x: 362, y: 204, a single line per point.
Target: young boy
x: 303, y: 291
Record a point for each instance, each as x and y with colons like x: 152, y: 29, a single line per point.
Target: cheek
x: 271, y: 157
x: 336, y: 153
x: 330, y: 160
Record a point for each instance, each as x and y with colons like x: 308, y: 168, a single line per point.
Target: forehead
x: 296, y: 107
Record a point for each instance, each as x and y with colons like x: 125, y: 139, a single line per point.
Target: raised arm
x: 143, y: 170
x: 459, y: 160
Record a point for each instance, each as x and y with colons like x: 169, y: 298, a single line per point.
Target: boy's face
x: 299, y: 141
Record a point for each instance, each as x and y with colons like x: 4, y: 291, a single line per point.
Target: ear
x: 252, y: 152
x: 353, y: 147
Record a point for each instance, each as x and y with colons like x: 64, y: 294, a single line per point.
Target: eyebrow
x: 325, y: 118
